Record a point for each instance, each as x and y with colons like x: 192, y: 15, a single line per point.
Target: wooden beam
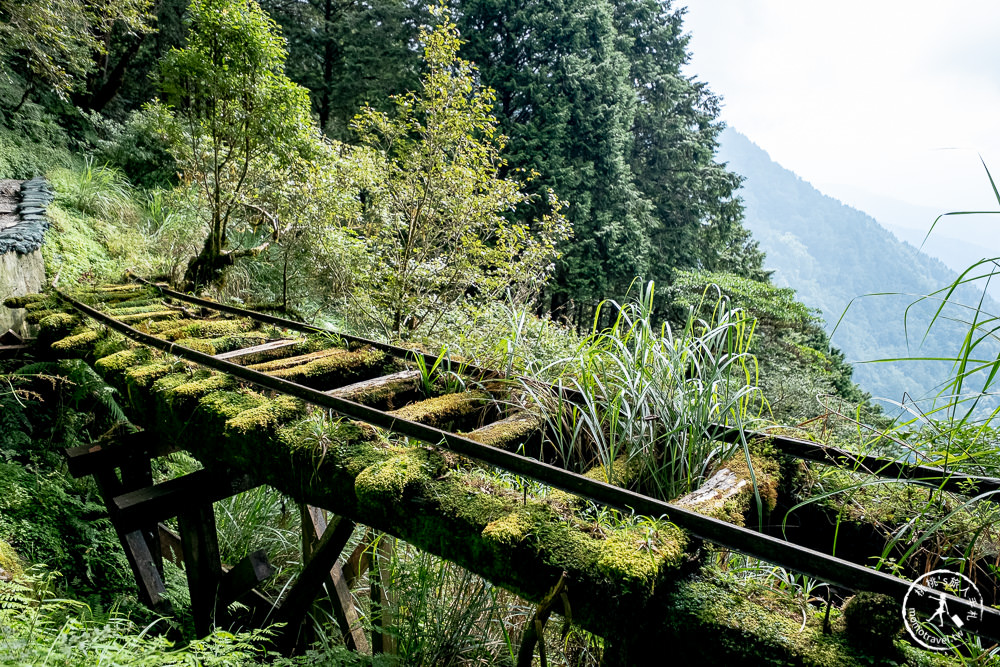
x: 177, y: 496
x: 296, y: 605
x: 314, y: 527
x: 382, y: 600
x: 259, y: 605
x: 359, y: 561
x: 89, y: 459
x: 143, y: 562
x: 202, y: 564
x: 263, y: 348
x: 243, y: 577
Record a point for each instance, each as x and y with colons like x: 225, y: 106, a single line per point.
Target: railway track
x: 173, y: 351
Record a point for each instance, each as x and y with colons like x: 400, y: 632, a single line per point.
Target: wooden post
x: 202, y: 563
x: 146, y: 566
x: 316, y: 571
x: 314, y: 527
x: 382, y: 601
x: 138, y: 474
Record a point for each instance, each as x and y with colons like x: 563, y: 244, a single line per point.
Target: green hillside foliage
x: 832, y: 256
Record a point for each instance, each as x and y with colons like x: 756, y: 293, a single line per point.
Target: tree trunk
x: 209, y: 267
x: 328, y: 53
x: 114, y: 81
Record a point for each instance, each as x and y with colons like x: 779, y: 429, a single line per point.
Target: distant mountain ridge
x: 832, y: 254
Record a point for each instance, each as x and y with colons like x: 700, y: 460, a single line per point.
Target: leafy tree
x: 434, y: 226
x: 564, y: 98
x: 57, y: 43
x: 238, y: 122
x: 350, y: 53
x: 696, y: 213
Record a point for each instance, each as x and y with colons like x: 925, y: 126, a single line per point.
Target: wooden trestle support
x: 620, y: 581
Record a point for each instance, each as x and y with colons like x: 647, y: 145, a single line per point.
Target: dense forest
x: 532, y: 187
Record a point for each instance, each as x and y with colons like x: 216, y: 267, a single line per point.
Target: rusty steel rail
x: 800, y: 559
x: 969, y: 485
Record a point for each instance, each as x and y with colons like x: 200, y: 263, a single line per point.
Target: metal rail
x: 797, y: 558
x: 969, y: 485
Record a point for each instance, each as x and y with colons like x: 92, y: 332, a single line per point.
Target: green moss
x: 36, y: 316
x: 229, y: 404
x: 124, y: 360
x: 201, y: 329
x: 873, y: 622
x: 442, y: 410
x: 198, y: 345
x: 146, y: 307
x: 222, y: 344
x: 26, y: 300
x: 78, y: 341
x: 125, y: 293
x: 507, y: 433
x: 57, y: 322
x: 155, y: 315
x: 335, y: 369
x: 11, y: 567
x: 267, y: 417
x: 509, y: 529
x: 147, y: 374
x: 196, y: 388
x: 639, y: 555
x: 291, y: 362
x: 388, y: 481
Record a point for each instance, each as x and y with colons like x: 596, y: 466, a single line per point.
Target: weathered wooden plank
x: 314, y: 527
x: 173, y: 497
x: 143, y: 562
x: 260, y: 606
x: 385, y: 392
x: 244, y: 576
x: 202, y: 564
x: 359, y: 561
x: 296, y: 604
x: 263, y: 349
x: 88, y: 459
x: 381, y: 597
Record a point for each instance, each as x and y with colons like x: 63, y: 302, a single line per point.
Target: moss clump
x: 291, y: 362
x: 198, y: 387
x: 155, y: 315
x: 387, y: 482
x: 443, y: 410
x: 507, y: 433
x: 508, y: 530
x: 229, y: 404
x: 222, y: 344
x: 78, y: 341
x: 24, y: 301
x: 872, y: 622
x: 150, y: 307
x: 147, y: 374
x: 205, y: 329
x: 640, y: 555
x: 118, y: 293
x: 119, y: 362
x: 267, y: 417
x: 335, y: 369
x: 57, y: 322
x: 11, y: 567
x: 36, y: 316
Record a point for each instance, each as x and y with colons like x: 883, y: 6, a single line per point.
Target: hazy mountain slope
x: 831, y: 253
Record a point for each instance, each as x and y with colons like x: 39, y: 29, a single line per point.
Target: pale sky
x: 890, y: 97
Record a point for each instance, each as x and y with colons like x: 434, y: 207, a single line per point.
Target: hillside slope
x: 831, y: 253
